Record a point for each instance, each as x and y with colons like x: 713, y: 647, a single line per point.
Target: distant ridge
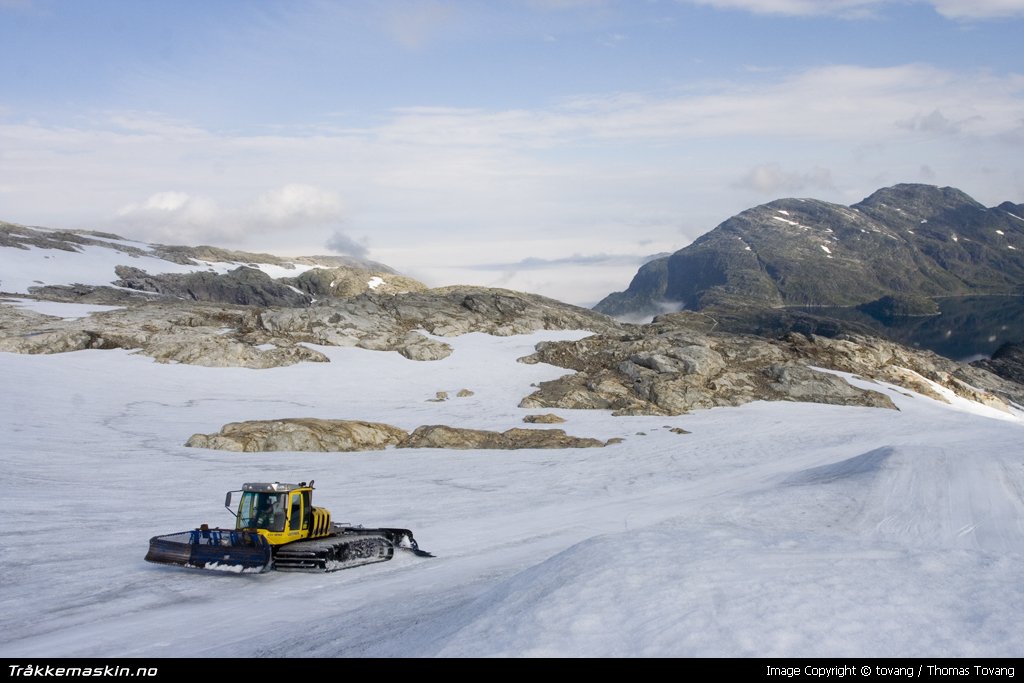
x: 909, y: 241
x: 101, y: 267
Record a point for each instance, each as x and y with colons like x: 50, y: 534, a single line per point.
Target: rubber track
x: 333, y: 554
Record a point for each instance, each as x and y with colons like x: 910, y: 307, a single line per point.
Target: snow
x: 1000, y: 232
x: 771, y: 530
x: 375, y: 282
x: 826, y: 249
x: 793, y: 223
x: 787, y: 221
x: 68, y: 311
x: 120, y: 241
x: 94, y: 265
x: 274, y: 271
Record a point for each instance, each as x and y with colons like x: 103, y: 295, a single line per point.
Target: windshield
x: 261, y: 511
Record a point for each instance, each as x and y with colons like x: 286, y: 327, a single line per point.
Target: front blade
x: 212, y: 549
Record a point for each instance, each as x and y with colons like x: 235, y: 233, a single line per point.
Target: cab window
x: 261, y: 511
x: 295, y: 518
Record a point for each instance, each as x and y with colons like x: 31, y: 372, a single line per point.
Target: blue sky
x: 547, y: 145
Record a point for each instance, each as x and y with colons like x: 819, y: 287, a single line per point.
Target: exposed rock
x: 310, y: 434
x: 196, y: 334
x: 90, y: 294
x: 214, y: 352
x: 442, y: 436
x: 207, y: 333
x: 244, y: 286
x: 439, y: 397
x: 382, y: 322
x: 671, y: 367
x: 547, y: 418
x: 300, y: 434
x: 192, y: 255
x: 24, y: 237
x: 465, y: 393
x: 678, y: 430
x: 334, y: 283
x: 1007, y: 362
x: 415, y: 346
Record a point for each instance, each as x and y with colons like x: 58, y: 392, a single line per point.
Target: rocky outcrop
x: 547, y: 418
x: 679, y: 364
x: 244, y: 286
x: 345, y: 283
x: 373, y: 319
x: 1007, y: 362
x: 442, y: 436
x: 26, y: 237
x: 206, y: 333
x: 382, y: 322
x: 300, y: 434
x: 310, y: 434
x: 188, y: 255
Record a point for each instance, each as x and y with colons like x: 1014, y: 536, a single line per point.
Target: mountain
x: 899, y: 248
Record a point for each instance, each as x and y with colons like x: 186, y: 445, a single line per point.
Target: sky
x: 774, y: 529
x: 544, y: 145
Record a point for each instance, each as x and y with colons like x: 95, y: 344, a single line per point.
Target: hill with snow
x: 83, y: 265
x: 905, y: 243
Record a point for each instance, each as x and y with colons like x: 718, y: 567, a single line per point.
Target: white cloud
x: 842, y: 8
x: 979, y: 9
x: 836, y: 102
x: 772, y: 179
x: 586, y: 169
x: 858, y: 9
x: 934, y: 122
x: 297, y: 203
x: 174, y: 217
x: 181, y: 218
